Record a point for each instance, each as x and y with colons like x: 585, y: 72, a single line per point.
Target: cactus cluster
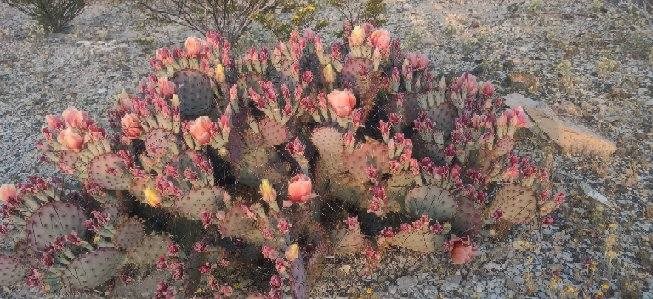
x: 276, y: 158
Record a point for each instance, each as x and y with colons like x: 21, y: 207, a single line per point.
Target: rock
x: 570, y: 137
x: 596, y: 195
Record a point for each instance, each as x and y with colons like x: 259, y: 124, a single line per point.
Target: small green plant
x: 52, y: 15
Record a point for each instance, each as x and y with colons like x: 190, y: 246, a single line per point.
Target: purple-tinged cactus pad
x: 129, y: 232
x: 53, y: 220
x: 444, y: 117
x: 158, y: 143
x: 93, y: 269
x: 149, y: 250
x: 273, y: 132
x: 433, y: 201
x: 195, y: 91
x: 349, y: 242
x: 420, y: 240
x: 108, y: 171
x: 209, y: 199
x: 12, y: 270
x: 140, y: 288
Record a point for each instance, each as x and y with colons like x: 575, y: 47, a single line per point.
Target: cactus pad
x: 93, y: 268
x: 197, y: 201
x: 349, y: 242
x: 129, y: 233
x: 12, y: 270
x: 159, y: 142
x: 328, y: 142
x: 273, y: 132
x: 53, y: 220
x: 444, y: 117
x: 142, y: 288
x: 518, y: 203
x: 195, y: 91
x: 468, y: 219
x: 237, y: 225
x: 108, y: 171
x: 433, y: 201
x: 149, y: 250
x: 419, y: 240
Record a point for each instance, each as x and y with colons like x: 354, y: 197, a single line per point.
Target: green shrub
x: 53, y: 15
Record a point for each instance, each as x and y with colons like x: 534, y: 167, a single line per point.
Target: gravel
x: 591, y: 60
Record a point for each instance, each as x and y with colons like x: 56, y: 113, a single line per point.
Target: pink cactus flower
x: 193, y: 46
x: 300, y: 189
x: 71, y: 139
x: 53, y: 122
x: 357, y: 36
x: 461, y: 250
x: 519, y: 117
x: 131, y: 126
x: 202, y: 130
x: 487, y: 89
x: 380, y: 39
x: 7, y: 192
x: 342, y: 102
x: 74, y: 118
x: 166, y: 87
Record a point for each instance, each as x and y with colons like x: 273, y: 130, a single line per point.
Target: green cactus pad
x: 149, y: 250
x: 93, y: 269
x: 433, y: 201
x: 108, y: 171
x: 53, y: 220
x: 273, y: 132
x: 518, y: 203
x: 129, y: 232
x: 12, y: 270
x: 210, y: 199
x: 195, y: 91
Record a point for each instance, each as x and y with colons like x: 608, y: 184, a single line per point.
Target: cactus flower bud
x: 300, y: 189
x: 193, y: 46
x: 7, y: 192
x: 151, y: 197
x: 74, y: 118
x: 380, y: 39
x: 329, y: 74
x: 342, y: 102
x: 460, y: 250
x: 71, y: 139
x: 357, y: 36
x: 219, y: 73
x: 53, y: 122
x: 292, y: 253
x: 267, y: 191
x: 131, y: 126
x: 166, y: 87
x: 201, y: 129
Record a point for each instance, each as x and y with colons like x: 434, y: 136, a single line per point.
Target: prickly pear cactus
x: 433, y: 201
x: 92, y: 269
x: 196, y: 92
x: 53, y: 220
x: 12, y: 270
x: 169, y: 208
